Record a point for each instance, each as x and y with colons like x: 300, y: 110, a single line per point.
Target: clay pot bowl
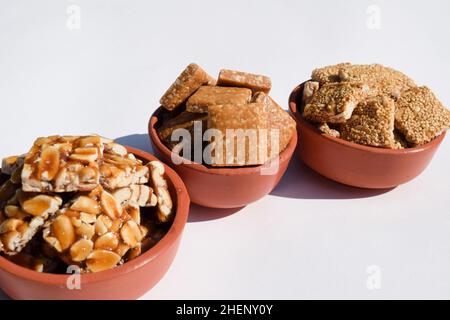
x: 353, y: 164
x: 221, y: 187
x: 128, y: 281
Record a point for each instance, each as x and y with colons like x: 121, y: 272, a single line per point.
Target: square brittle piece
x: 420, y: 116
x: 210, y: 96
x: 255, y: 82
x: 192, y: 78
x: 334, y: 102
x: 62, y: 164
x: 371, y: 124
x: 241, y: 134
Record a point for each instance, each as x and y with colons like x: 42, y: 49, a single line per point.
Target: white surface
x: 311, y: 238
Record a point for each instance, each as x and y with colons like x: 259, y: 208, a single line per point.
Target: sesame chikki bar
x: 325, y: 129
x: 309, y: 90
x: 192, y: 78
x: 209, y: 96
x: 249, y: 120
x: 255, y: 82
x: 371, y: 124
x: 420, y: 116
x: 334, y: 102
x: 95, y: 231
x: 329, y: 73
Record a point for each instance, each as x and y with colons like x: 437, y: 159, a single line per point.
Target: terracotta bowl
x: 353, y: 164
x: 221, y: 187
x: 128, y: 281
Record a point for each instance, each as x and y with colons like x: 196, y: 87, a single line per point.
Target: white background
x: 311, y: 238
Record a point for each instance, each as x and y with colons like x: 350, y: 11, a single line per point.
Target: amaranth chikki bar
x: 24, y: 215
x: 207, y: 96
x: 255, y: 82
x: 371, y: 124
x: 251, y: 119
x: 334, y: 102
x: 62, y: 164
x: 192, y: 78
x: 278, y: 120
x: 420, y: 116
x: 95, y: 231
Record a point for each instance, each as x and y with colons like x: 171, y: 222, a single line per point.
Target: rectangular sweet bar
x: 140, y: 195
x: 184, y: 120
x: 192, y: 78
x: 255, y: 82
x: 371, y: 124
x: 279, y: 121
x: 62, y: 164
x: 241, y: 134
x: 420, y: 116
x: 23, y: 216
x: 334, y: 102
x: 208, y: 96
x: 94, y: 231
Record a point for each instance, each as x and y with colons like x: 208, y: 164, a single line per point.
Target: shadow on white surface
x: 198, y: 213
x: 301, y: 182
x: 138, y: 141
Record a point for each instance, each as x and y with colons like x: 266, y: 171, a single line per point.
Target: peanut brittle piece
x: 254, y: 82
x: 420, y: 116
x: 192, y: 78
x: 309, y: 90
x: 140, y: 195
x: 62, y: 164
x: 241, y: 134
x: 329, y: 73
x: 325, y: 129
x: 184, y: 120
x: 11, y: 164
x: 94, y: 231
x: 25, y: 214
x: 210, y: 96
x: 161, y: 189
x: 120, y: 169
x: 279, y: 120
x: 371, y: 124
x: 334, y: 102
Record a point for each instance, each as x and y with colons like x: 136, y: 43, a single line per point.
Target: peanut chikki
x: 420, y: 116
x: 11, y: 164
x: 278, y: 120
x: 24, y: 215
x: 334, y: 102
x: 95, y: 231
x: 249, y: 120
x: 371, y: 124
x: 255, y: 82
x: 192, y: 78
x: 207, y: 96
x: 161, y: 189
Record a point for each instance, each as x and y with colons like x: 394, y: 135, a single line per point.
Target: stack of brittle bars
x: 83, y: 201
x: 373, y: 105
x: 236, y: 101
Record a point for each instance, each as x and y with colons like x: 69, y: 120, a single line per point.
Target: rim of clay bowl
x: 295, y: 96
x: 181, y: 214
x: 285, y: 155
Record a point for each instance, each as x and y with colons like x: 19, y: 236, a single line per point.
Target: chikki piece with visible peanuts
x: 255, y: 82
x: 192, y: 78
x: 309, y: 90
x: 325, y: 129
x: 420, y: 116
x: 278, y: 120
x: 240, y: 134
x: 161, y: 189
x: 382, y: 81
x: 208, y: 96
x: 371, y: 124
x: 184, y: 120
x: 329, y: 73
x: 334, y: 102
x: 11, y: 164
x: 25, y: 215
x: 138, y: 194
x: 94, y: 231
x: 62, y: 164
x: 119, y: 169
